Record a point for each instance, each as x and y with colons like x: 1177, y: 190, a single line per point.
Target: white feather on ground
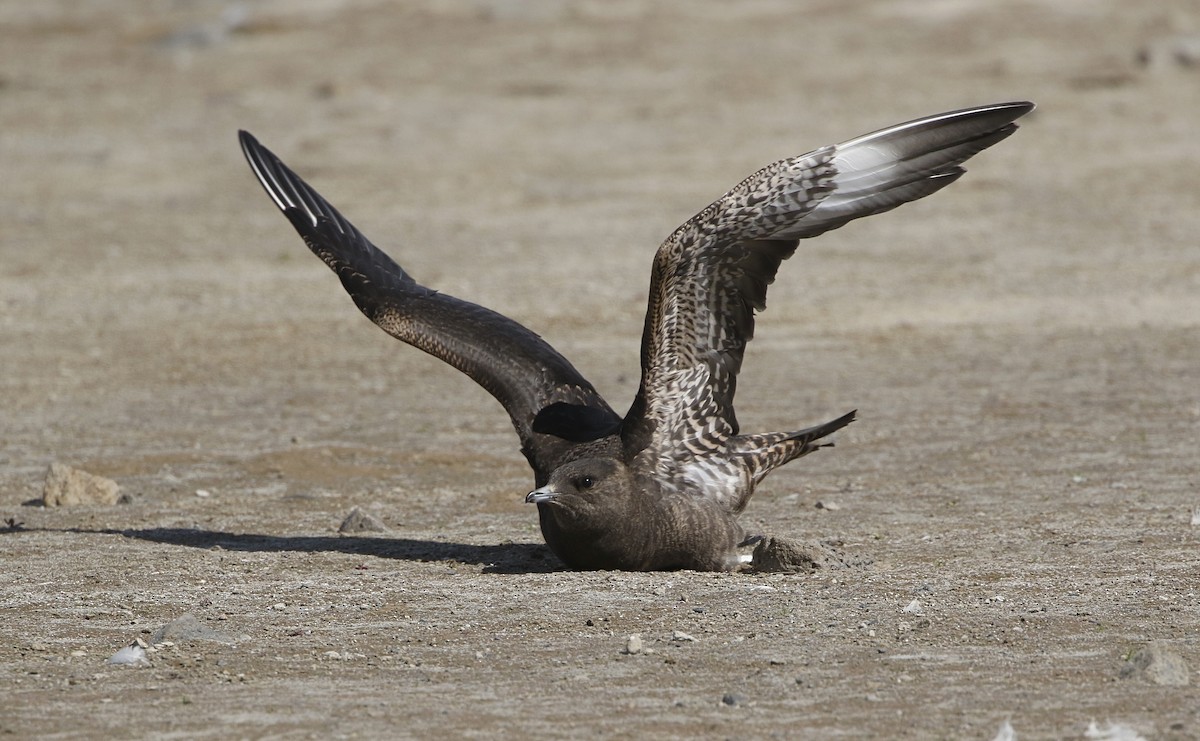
x: 1111, y: 732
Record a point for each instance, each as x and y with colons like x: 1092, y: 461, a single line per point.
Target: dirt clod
x: 66, y: 486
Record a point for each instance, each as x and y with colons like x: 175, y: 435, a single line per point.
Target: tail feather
x: 764, y: 453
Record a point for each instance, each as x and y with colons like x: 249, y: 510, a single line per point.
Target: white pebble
x: 633, y: 644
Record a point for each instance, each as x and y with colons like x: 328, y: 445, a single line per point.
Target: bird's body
x: 661, y: 487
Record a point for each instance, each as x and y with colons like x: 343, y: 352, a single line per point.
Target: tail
x: 765, y: 453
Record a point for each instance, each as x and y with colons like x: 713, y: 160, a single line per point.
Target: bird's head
x: 588, y: 488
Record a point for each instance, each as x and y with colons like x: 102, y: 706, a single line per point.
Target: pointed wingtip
x: 246, y: 139
x: 1009, y: 111
x: 1020, y: 107
x: 1012, y: 111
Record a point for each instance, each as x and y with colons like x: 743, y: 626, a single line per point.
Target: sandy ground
x: 1024, y: 350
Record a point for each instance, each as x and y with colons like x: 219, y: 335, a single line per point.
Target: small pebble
x: 733, y: 699
x: 680, y: 637
x: 914, y: 607
x: 633, y: 644
x: 1171, y: 52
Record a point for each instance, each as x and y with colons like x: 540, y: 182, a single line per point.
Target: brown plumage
x: 660, y: 488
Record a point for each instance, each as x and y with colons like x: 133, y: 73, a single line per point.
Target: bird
x: 661, y: 487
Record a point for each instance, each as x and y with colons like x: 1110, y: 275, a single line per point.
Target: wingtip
x: 1023, y: 106
x: 248, y: 142
x: 1005, y: 115
x: 1016, y: 109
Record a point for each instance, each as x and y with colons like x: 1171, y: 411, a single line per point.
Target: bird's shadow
x: 504, y: 558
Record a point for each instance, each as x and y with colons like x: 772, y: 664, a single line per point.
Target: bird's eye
x: 586, y: 482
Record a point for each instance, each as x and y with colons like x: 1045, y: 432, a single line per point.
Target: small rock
x: 1181, y: 51
x: 831, y: 506
x: 633, y: 644
x: 187, y: 628
x: 66, y: 486
x: 1157, y: 663
x: 914, y: 608
x: 680, y: 637
x: 781, y: 555
x: 733, y: 699
x: 361, y: 521
x: 203, y: 493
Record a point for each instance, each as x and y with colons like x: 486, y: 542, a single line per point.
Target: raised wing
x: 551, y: 405
x: 711, y: 274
